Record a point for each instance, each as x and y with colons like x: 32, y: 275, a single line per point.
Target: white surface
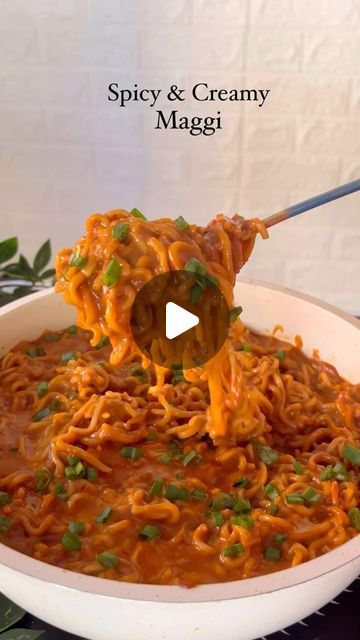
x: 178, y: 320
x: 231, y: 611
x: 66, y: 151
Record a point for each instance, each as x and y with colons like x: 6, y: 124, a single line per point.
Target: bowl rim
x: 347, y: 553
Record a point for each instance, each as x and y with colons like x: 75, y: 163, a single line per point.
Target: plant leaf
x: 25, y: 270
x: 42, y: 257
x: 47, y: 274
x: 8, y: 248
x: 21, y: 634
x: 10, y: 613
x: 22, y: 290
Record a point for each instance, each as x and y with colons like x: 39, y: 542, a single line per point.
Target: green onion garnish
x: 35, y: 352
x: 272, y: 491
x: 51, y: 337
x: 192, y: 457
x: 71, y: 541
x: 311, y: 496
x: 5, y: 524
x: 137, y: 214
x: 241, y: 505
x: 60, y: 491
x: 198, y: 494
x: 242, y: 482
x: 182, y: 224
x: 40, y: 415
x: 77, y: 261
x: 76, y: 526
x: 151, y: 436
x: 294, y: 498
x: 91, y: 474
x: 75, y: 470
x: 165, y: 459
x: 41, y: 389
x: 157, y: 487
x: 279, y: 538
x: 107, y: 559
x: 272, y: 553
x: 268, y: 455
x: 354, y: 517
x: 337, y: 472
x: 104, y: 515
x: 73, y: 460
x: 173, y: 492
x: 4, y: 498
x: 43, y: 479
x: 222, y: 501
x: 234, y: 313
x: 234, y: 550
x: 195, y: 266
x: 67, y: 356
x: 245, y: 346
x: 111, y: 273
x: 178, y: 374
x: 218, y: 519
x: 242, y: 521
x: 133, y: 453
x: 280, y: 354
x: 151, y: 532
x: 272, y: 509
x: 327, y: 473
x: 196, y: 292
x: 103, y: 342
x: 121, y: 231
x: 352, y: 454
x: 72, y: 329
x: 298, y: 468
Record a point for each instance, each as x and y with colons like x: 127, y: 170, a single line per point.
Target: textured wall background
x: 65, y: 151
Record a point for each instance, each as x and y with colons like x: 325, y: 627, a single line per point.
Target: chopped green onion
x: 121, y: 231
x: 72, y: 329
x: 198, y: 494
x: 173, y: 492
x: 327, y: 473
x: 298, y: 468
x: 157, y: 487
x: 294, y: 498
x: 311, y: 496
x: 77, y: 261
x: 137, y: 214
x: 178, y: 374
x: 151, y: 532
x: 279, y: 538
x: 5, y: 524
x: 104, y: 515
x: 55, y: 404
x: 234, y: 313
x: 182, y: 224
x: 40, y: 415
x: 107, y: 559
x: 354, y: 517
x: 175, y: 449
x: 242, y: 521
x: 352, y: 454
x: 67, y: 356
x: 43, y: 479
x: 35, y: 352
x: 51, y: 337
x: 234, y: 550
x: 272, y: 553
x: 218, y: 519
x: 41, y: 389
x: 272, y: 509
x: 73, y: 460
x: 60, y: 491
x: 280, y: 354
x: 180, y: 476
x: 71, y: 541
x: 242, y: 482
x: 340, y: 472
x: 91, y: 474
x: 272, y: 491
x: 195, y: 266
x: 196, y: 292
x: 76, y: 526
x: 103, y: 342
x: 222, y: 501
x: 268, y: 455
x: 245, y: 346
x: 192, y: 457
x: 76, y: 470
x: 165, y: 459
x: 133, y: 453
x: 241, y: 505
x: 111, y: 273
x: 152, y: 436
x: 4, y: 498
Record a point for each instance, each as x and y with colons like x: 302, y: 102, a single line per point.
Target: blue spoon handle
x: 311, y: 203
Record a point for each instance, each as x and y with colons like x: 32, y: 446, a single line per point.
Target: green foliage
x: 18, y: 279
x: 10, y: 614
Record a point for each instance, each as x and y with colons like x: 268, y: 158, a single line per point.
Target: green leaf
x: 8, y: 249
x: 49, y: 273
x: 25, y: 270
x: 21, y: 634
x: 10, y: 613
x: 42, y: 257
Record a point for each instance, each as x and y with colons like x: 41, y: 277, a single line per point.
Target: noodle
x: 115, y: 467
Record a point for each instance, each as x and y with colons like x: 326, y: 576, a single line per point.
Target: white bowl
x: 246, y: 609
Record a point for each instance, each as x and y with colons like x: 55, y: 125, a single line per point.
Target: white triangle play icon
x: 178, y: 320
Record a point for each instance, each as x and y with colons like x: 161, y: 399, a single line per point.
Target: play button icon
x: 180, y: 318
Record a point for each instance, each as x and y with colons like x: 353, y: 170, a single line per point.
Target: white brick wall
x: 65, y: 151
